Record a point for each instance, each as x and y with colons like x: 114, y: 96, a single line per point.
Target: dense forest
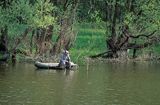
x: 43, y: 28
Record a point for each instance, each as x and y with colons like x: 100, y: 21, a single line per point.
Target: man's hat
x: 65, y: 51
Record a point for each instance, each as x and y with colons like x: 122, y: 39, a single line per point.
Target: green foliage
x: 152, y: 14
x: 4, y: 17
x: 95, y: 17
x: 19, y: 12
x: 128, y: 18
x: 40, y: 14
x: 43, y: 14
x: 148, y: 20
x: 143, y: 18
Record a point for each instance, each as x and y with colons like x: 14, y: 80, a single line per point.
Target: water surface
x: 94, y: 84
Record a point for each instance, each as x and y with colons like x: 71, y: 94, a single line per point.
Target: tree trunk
x: 4, y: 40
x: 17, y: 42
x: 66, y: 33
x: 31, y: 41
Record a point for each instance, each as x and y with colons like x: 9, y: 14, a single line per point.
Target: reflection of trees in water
x: 67, y: 73
x: 128, y: 66
x: 70, y: 74
x: 3, y: 69
x: 65, y: 86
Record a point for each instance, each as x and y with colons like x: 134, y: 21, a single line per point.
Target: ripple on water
x: 25, y: 86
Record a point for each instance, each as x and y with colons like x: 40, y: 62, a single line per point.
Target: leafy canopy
x: 39, y: 14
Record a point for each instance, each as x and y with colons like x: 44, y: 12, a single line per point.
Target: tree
x: 21, y: 16
x: 128, y: 22
x: 67, y: 17
x: 42, y: 17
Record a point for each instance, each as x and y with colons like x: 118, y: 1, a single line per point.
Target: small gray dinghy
x: 41, y: 65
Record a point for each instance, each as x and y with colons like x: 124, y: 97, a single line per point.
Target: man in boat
x: 65, y: 60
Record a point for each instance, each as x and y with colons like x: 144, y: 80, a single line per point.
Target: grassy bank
x: 90, y: 40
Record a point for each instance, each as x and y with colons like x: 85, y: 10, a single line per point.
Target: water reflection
x: 132, y: 83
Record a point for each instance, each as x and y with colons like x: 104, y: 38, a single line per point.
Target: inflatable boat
x: 41, y: 65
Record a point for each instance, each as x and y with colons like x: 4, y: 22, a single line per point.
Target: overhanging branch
x: 152, y: 41
x: 143, y: 35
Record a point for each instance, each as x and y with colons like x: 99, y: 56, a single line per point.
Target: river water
x: 135, y: 83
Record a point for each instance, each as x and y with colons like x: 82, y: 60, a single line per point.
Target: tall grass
x: 90, y: 40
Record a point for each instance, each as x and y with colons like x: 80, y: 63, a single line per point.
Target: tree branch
x: 19, y: 40
x: 99, y: 55
x: 143, y: 35
x: 152, y: 41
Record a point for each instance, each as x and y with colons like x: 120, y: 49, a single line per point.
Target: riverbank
x: 90, y: 40
x: 88, y: 60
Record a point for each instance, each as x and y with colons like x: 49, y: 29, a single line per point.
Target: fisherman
x: 65, y: 60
